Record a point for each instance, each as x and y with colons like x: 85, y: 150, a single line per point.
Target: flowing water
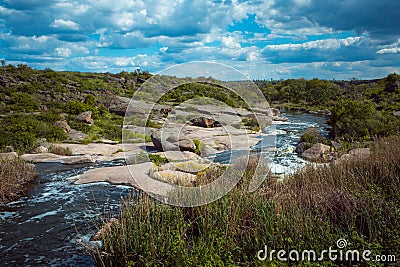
x: 48, y: 225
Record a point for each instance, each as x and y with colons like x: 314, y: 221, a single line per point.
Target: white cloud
x: 230, y: 42
x: 390, y: 49
x: 63, y: 51
x: 65, y: 24
x: 319, y: 44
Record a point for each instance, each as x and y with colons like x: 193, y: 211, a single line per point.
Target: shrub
x: 312, y: 136
x: 21, y: 132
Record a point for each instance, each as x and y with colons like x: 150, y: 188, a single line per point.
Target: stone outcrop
x: 64, y: 126
x: 85, y: 117
x: 166, y: 142
x: 50, y: 157
x: 205, y: 122
x: 354, y: 155
x: 396, y: 113
x: 275, y: 112
x: 317, y: 152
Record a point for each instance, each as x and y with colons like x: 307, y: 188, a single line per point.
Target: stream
x: 48, y: 226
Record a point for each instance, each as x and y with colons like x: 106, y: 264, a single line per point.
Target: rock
x: 124, y: 175
x: 74, y: 160
x: 207, y: 150
x: 109, y: 142
x: 191, y: 166
x: 43, y: 107
x: 276, y: 118
x: 172, y: 143
x: 180, y: 156
x: 85, y: 117
x: 175, y: 177
x: 316, y: 152
x: 300, y: 148
x: 336, y: 145
x: 396, y: 113
x: 45, y: 157
x: 157, y: 142
x: 75, y: 135
x: 9, y: 156
x: 275, y: 112
x: 205, y: 122
x: 63, y: 125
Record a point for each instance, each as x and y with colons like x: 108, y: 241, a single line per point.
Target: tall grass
x: 312, y: 209
x: 14, y: 176
x: 60, y: 150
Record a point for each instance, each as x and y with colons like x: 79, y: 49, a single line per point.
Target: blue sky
x: 262, y: 38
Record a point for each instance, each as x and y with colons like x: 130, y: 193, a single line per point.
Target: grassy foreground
x: 14, y: 175
x: 358, y: 201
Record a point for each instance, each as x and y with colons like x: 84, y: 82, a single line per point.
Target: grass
x: 14, y: 176
x: 312, y: 209
x: 59, y: 150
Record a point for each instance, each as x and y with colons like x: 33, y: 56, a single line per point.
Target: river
x: 48, y: 225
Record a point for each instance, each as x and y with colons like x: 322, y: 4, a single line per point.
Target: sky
x: 264, y: 39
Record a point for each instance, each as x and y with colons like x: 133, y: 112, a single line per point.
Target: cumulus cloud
x: 378, y: 18
x: 100, y: 35
x: 65, y: 24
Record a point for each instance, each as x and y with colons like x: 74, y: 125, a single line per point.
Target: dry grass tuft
x: 14, y: 176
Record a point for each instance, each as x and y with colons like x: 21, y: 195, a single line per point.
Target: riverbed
x: 48, y: 225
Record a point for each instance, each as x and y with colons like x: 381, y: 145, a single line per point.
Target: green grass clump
x: 157, y: 159
x: 312, y: 209
x: 199, y: 145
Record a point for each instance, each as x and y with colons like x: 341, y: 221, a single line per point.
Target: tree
x: 353, y: 120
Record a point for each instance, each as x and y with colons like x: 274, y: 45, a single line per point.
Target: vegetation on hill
x: 31, y: 101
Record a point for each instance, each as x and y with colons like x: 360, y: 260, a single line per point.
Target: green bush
x: 312, y: 136
x: 21, y: 132
x: 75, y: 107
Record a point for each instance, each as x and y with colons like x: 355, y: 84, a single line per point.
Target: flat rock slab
x: 49, y: 157
x: 107, y: 150
x: 134, y: 175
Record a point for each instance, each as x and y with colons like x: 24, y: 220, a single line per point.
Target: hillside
x: 37, y: 104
